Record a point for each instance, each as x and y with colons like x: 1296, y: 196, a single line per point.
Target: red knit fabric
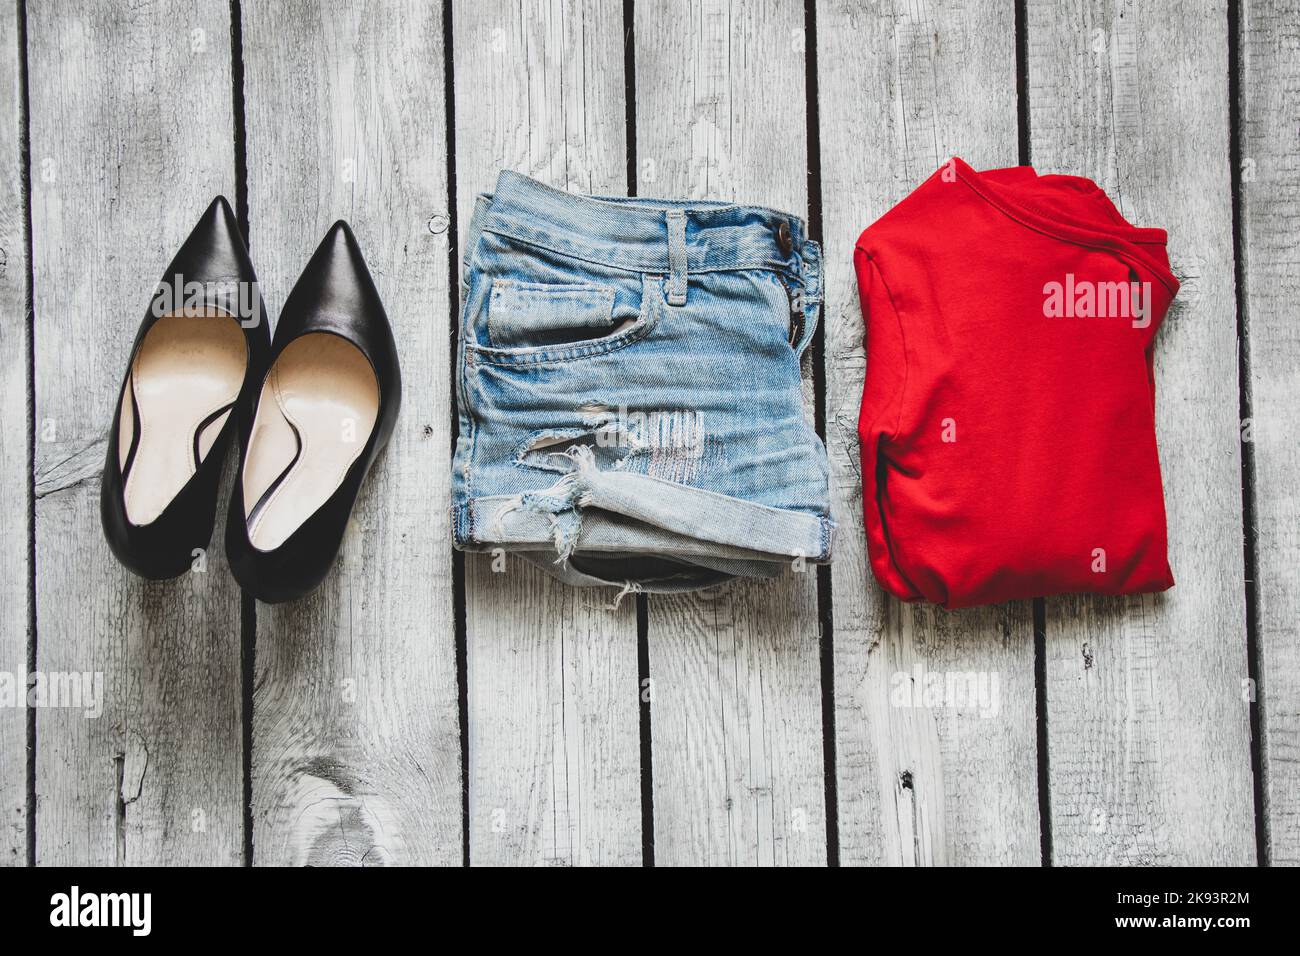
x: 1008, y: 418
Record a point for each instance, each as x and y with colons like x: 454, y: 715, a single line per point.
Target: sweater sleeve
x: 878, y: 419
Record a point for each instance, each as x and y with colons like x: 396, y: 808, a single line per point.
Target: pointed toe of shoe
x: 337, y: 294
x: 214, y: 249
x: 336, y: 282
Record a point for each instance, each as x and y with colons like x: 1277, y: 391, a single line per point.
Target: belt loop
x: 676, y: 256
x: 481, y: 206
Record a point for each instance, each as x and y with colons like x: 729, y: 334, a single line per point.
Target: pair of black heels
x: 312, y: 410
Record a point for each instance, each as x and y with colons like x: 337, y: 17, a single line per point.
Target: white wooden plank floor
x: 553, y: 735
x: 915, y: 785
x: 432, y: 708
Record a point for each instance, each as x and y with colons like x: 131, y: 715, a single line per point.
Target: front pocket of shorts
x: 536, y: 322
x: 537, y: 313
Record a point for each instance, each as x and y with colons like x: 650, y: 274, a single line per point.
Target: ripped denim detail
x: 632, y: 414
x: 561, y: 503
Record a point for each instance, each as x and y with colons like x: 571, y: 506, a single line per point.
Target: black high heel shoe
x: 202, y: 345
x: 315, y: 426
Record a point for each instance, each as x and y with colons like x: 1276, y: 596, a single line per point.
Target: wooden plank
x: 553, y: 696
x: 737, y: 727
x: 15, y: 574
x: 1149, y: 738
x: 903, y: 87
x: 1270, y: 193
x: 131, y: 136
x: 356, y: 741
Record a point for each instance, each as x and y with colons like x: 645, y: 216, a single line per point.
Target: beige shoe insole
x: 317, y: 409
x: 183, y: 381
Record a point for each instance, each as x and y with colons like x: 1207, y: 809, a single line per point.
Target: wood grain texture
x: 553, y: 694
x: 1149, y: 738
x: 1270, y: 218
x: 356, y: 740
x: 130, y: 139
x: 903, y: 87
x: 737, y: 726
x: 15, y: 574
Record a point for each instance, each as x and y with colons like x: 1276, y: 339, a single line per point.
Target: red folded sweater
x: 1008, y: 418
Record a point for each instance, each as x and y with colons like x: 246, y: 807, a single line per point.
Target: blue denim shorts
x: 631, y: 410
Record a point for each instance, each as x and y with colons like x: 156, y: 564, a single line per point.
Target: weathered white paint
x: 1149, y: 738
x: 130, y: 139
x: 1270, y: 194
x: 553, y: 696
x: 736, y: 711
x: 14, y: 432
x: 356, y: 741
x: 903, y: 88
x: 356, y: 734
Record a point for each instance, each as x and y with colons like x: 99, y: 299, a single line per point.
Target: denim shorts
x: 628, y: 373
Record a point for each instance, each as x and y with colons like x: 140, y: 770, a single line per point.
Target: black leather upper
x: 214, y: 256
x: 337, y: 295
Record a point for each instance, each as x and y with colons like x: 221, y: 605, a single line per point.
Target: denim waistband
x: 641, y: 235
